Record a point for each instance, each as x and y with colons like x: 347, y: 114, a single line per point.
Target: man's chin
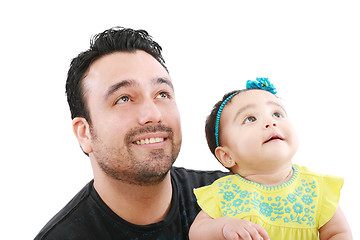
x: 144, y: 180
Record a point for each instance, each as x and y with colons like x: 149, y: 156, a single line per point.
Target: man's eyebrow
x: 162, y: 80
x: 128, y: 83
x: 113, y: 88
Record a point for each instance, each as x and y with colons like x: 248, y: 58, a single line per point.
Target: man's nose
x: 149, y: 113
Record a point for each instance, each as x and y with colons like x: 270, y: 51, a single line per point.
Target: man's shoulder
x: 182, y: 170
x: 53, y: 229
x: 196, y: 177
x: 184, y: 182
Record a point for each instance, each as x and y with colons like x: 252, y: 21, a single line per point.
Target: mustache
x: 148, y: 129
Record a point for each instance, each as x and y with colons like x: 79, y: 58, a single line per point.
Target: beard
x: 136, y: 166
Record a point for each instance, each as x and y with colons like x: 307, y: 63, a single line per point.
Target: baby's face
x: 257, y: 132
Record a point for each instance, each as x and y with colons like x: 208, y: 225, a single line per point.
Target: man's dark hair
x: 117, y: 39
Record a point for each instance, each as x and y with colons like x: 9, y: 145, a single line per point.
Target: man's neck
x: 141, y: 205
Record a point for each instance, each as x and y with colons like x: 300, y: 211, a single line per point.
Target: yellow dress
x: 293, y: 210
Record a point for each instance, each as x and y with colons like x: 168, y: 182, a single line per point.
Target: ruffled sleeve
x: 330, y: 197
x: 207, y: 200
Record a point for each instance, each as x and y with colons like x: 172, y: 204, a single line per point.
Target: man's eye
x: 123, y: 99
x: 277, y: 115
x: 249, y: 119
x: 163, y: 95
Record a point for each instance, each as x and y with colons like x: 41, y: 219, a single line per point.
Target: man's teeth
x: 149, y: 140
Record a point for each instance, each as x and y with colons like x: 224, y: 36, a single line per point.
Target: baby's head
x: 250, y: 130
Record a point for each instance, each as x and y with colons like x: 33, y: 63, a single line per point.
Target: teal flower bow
x: 261, y: 83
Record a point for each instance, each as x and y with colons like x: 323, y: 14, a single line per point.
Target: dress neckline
x: 272, y: 188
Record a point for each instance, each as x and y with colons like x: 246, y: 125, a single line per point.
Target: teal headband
x: 259, y: 83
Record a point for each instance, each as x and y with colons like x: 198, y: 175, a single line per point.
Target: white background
x: 309, y: 49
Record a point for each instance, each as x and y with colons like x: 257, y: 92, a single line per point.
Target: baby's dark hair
x: 211, y: 122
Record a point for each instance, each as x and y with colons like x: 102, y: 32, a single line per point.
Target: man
x: 126, y: 120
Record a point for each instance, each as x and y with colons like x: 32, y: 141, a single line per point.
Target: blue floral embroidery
x: 266, y: 209
x: 228, y: 196
x: 307, y: 199
x: 298, y: 208
x: 237, y: 202
x: 295, y: 207
x: 291, y: 198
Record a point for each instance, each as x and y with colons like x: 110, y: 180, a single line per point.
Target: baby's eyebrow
x: 251, y: 105
x: 277, y: 104
x: 243, y: 109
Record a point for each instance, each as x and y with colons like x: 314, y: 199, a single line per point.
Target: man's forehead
x: 125, y: 62
x: 129, y: 67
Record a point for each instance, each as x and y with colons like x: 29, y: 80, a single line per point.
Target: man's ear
x: 224, y: 156
x: 81, y: 129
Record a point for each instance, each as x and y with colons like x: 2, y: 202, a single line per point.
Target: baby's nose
x: 268, y: 125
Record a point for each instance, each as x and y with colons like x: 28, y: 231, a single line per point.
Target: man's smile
x: 149, y: 140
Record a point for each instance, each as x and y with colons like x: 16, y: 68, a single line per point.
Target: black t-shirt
x: 86, y: 216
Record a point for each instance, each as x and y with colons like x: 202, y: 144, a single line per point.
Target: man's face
x: 135, y: 132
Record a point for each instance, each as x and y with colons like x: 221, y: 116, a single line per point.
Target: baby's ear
x: 224, y: 156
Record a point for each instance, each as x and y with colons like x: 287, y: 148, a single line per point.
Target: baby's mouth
x: 274, y: 137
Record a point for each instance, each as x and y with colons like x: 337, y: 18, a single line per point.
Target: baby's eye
x: 277, y: 115
x: 249, y: 119
x: 123, y: 99
x: 163, y: 95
